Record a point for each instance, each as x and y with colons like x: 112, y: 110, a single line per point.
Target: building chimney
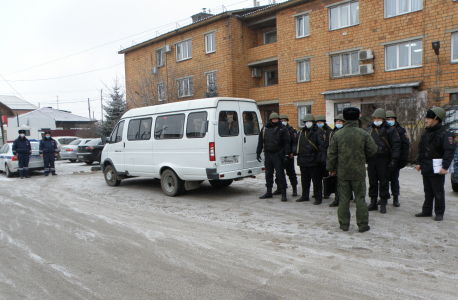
x: 204, y: 10
x: 200, y: 16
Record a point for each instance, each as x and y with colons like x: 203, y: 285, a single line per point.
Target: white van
x: 184, y: 143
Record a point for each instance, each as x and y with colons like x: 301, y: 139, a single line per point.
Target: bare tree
x: 92, y: 130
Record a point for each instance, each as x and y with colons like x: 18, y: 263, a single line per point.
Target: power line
x: 11, y: 86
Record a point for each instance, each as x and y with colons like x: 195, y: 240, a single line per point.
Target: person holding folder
x: 435, y: 154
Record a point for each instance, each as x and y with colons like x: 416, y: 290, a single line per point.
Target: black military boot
x: 383, y: 206
x: 373, y: 205
x: 283, y: 195
x: 396, y: 201
x: 277, y: 192
x: 27, y: 174
x: 335, y: 202
x: 317, y: 202
x: 294, y: 190
x: 46, y: 173
x: 304, y: 197
x: 21, y: 174
x: 268, y: 194
x: 379, y: 202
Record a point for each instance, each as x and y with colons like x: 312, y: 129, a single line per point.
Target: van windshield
x: 228, y: 123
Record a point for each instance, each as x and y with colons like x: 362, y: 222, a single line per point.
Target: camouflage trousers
x: 344, y: 189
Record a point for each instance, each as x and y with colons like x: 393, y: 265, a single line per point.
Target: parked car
x: 69, y: 151
x: 185, y: 143
x: 90, y: 152
x: 9, y: 164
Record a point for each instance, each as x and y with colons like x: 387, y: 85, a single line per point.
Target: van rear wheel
x: 221, y: 183
x: 111, y: 178
x: 171, y: 184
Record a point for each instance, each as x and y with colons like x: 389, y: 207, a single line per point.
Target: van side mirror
x: 104, y: 139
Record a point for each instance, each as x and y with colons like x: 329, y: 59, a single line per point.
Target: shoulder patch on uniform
x: 450, y: 140
x: 324, y: 136
x: 406, y: 135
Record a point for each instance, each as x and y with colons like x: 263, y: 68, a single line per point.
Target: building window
x: 271, y: 77
x: 344, y: 15
x: 185, y: 87
x: 303, y: 70
x: 345, y: 64
x: 161, y: 96
x: 160, y: 61
x: 302, y: 26
x: 400, y: 7
x: 270, y: 37
x: 210, y: 43
x: 301, y: 112
x: 339, y: 107
x: 211, y: 81
x: 455, y: 47
x: 184, y: 50
x: 403, y: 55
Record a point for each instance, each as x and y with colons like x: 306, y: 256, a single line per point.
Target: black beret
x: 351, y: 113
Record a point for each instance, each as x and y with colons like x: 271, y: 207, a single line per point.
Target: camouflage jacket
x: 348, y: 151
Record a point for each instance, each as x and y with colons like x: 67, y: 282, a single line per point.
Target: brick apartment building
x: 302, y: 56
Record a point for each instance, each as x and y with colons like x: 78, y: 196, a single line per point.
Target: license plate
x: 227, y: 160
x: 80, y: 156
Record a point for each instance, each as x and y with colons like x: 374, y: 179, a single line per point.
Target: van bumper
x: 212, y: 173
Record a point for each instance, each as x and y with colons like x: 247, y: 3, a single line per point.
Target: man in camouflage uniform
x: 289, y: 165
x: 405, y: 149
x: 321, y: 123
x: 349, y: 149
x: 435, y: 143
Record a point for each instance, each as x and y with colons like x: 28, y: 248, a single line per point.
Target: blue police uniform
x: 23, y: 150
x: 48, y: 147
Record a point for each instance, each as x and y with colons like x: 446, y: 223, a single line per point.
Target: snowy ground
x: 73, y: 237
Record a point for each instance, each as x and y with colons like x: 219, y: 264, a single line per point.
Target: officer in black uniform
x: 436, y: 144
x: 274, y: 139
x: 22, y: 151
x: 321, y: 123
x: 289, y: 165
x: 49, y: 151
x: 379, y: 166
x: 310, y: 148
x: 405, y: 149
x: 339, y: 122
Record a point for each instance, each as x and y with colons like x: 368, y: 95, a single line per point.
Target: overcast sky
x: 67, y: 49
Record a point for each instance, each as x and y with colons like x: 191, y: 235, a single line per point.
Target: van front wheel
x: 171, y: 184
x: 220, y: 183
x: 110, y: 176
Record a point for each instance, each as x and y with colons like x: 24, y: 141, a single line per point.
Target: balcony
x: 262, y: 56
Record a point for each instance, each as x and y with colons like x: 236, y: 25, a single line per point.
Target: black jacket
x: 292, y: 134
x: 436, y: 142
x: 48, y: 146
x: 274, y: 139
x: 387, y: 139
x: 405, y: 142
x: 21, y: 145
x: 310, y: 147
x: 327, y: 130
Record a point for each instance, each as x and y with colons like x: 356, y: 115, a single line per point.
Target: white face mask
x: 284, y: 123
x: 378, y: 123
x: 22, y: 135
x: 308, y: 124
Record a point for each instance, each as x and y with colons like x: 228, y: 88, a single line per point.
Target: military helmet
x: 308, y: 117
x: 390, y: 114
x: 440, y: 112
x: 379, y: 113
x: 339, y: 117
x: 320, y: 118
x: 284, y: 116
x: 274, y: 116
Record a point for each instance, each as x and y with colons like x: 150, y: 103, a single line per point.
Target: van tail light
x: 211, y: 151
x: 14, y: 158
x: 69, y: 149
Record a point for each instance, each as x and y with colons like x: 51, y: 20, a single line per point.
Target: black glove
x: 392, y: 165
x: 402, y: 164
x: 258, y: 157
x: 286, y: 159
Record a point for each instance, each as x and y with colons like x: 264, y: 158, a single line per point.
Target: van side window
x: 197, y: 125
x: 139, y: 129
x: 169, y: 127
x: 228, y: 124
x: 116, y: 135
x: 250, y: 123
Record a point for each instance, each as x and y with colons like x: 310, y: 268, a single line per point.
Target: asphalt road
x: 73, y: 237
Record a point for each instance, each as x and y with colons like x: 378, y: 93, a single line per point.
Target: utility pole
x: 89, y: 107
x: 101, y: 103
x: 1, y: 125
x: 57, y: 102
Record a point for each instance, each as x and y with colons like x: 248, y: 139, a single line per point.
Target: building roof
x: 16, y: 103
x: 371, y: 91
x: 56, y: 114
